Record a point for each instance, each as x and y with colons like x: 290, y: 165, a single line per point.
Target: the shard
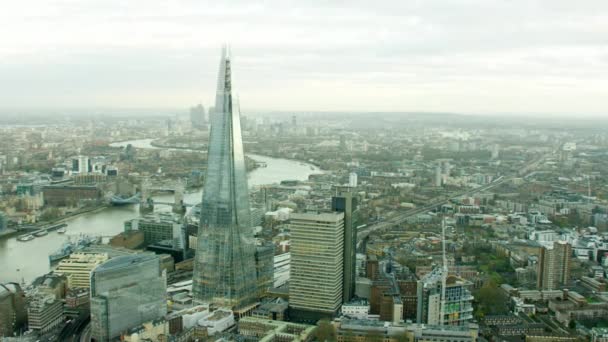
x: 224, y: 267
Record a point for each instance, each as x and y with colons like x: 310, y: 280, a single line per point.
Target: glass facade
x: 126, y: 291
x: 224, y: 268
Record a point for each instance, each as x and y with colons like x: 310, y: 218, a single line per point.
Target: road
x: 400, y: 218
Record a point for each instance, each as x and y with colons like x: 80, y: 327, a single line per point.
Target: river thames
x: 27, y: 260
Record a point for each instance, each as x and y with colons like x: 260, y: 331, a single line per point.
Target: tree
x: 490, y: 300
x: 326, y: 332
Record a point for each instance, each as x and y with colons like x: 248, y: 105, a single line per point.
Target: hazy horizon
x: 475, y: 57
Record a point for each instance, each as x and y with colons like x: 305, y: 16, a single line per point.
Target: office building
x: 352, y: 180
x: 45, y: 313
x: 126, y: 291
x: 259, y: 329
x: 197, y: 116
x: 80, y: 164
x: 224, y: 265
x: 458, y: 300
x: 554, y: 265
x: 158, y: 227
x: 78, y: 267
x: 282, y: 264
x: 317, y: 252
x: 13, y: 312
x: 347, y: 203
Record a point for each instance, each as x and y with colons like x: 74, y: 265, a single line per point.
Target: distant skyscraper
x: 554, y: 265
x: 352, y: 180
x: 126, y: 291
x: 197, y: 116
x: 317, y: 252
x: 224, y: 266
x: 346, y: 203
x: 80, y: 164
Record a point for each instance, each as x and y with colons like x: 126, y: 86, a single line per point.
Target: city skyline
x: 480, y: 57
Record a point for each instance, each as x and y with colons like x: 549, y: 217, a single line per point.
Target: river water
x: 27, y: 260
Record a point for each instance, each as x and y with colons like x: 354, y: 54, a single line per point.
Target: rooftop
x: 124, y: 261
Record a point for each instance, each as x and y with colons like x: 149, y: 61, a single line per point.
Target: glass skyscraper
x: 126, y: 291
x: 224, y: 267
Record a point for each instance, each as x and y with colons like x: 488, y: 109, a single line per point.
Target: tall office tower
x: 458, y: 300
x: 224, y: 265
x: 126, y: 291
x: 352, y: 180
x: 80, y: 164
x: 346, y: 203
x: 197, y: 116
x: 317, y: 252
x: 13, y: 312
x: 554, y: 265
x: 438, y: 176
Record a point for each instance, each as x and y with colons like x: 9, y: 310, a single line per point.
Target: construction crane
x: 444, y: 273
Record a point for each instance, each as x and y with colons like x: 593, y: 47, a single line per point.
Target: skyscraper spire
x: 224, y: 267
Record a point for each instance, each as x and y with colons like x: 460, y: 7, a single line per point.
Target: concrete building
x: 347, y: 203
x: 126, y: 291
x: 356, y: 309
x: 158, y: 227
x: 45, y: 312
x: 217, y: 321
x: 349, y: 330
x: 554, y: 265
x: 352, y: 180
x: 80, y: 164
x: 317, y: 252
x: 265, y: 330
x: 78, y: 267
x: 70, y: 195
x: 282, y: 263
x: 13, y: 313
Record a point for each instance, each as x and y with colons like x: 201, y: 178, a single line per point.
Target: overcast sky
x: 465, y: 56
